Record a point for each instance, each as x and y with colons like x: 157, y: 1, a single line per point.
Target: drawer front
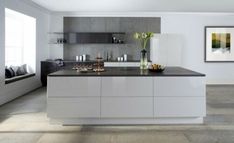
x: 73, y: 107
x: 127, y: 86
x: 74, y: 86
x: 129, y: 64
x: 111, y: 64
x: 121, y: 64
x: 179, y: 86
x: 179, y: 106
x: 126, y: 107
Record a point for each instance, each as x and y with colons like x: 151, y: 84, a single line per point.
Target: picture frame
x: 219, y: 43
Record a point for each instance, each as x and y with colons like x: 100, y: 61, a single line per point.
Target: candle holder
x: 99, y: 65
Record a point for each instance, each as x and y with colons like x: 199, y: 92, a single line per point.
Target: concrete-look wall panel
x: 129, y: 25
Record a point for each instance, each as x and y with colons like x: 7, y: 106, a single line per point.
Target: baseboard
x: 220, y: 82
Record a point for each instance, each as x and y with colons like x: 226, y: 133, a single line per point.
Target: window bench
x: 17, y: 78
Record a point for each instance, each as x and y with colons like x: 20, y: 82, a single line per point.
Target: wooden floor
x: 24, y: 121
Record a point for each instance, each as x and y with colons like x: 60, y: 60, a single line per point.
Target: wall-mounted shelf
x: 56, y: 38
x: 87, y: 38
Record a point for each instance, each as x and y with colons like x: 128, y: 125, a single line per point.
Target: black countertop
x: 93, y: 61
x: 130, y: 71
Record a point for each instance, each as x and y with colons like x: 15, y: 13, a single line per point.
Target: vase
x: 143, y: 60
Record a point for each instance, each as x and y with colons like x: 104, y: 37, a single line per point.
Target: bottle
x: 81, y: 58
x: 84, y: 57
x: 125, y: 57
x: 121, y: 59
x: 77, y: 58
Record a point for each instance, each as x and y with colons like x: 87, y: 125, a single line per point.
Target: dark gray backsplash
x: 129, y: 25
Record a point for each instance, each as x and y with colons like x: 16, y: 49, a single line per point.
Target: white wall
x: 13, y: 90
x: 56, y: 25
x: 191, y: 27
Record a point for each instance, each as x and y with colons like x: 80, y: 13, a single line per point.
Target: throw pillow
x: 12, y: 72
x: 22, y: 70
x: 9, y: 73
x: 15, y: 69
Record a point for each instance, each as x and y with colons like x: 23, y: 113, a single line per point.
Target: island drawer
x: 74, y: 86
x: 74, y: 107
x: 179, y: 86
x: 121, y: 64
x: 126, y: 107
x: 179, y: 106
x: 127, y: 86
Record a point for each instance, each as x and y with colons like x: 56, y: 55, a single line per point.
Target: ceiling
x: 138, y: 5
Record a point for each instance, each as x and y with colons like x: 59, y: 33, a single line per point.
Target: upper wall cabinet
x: 88, y: 38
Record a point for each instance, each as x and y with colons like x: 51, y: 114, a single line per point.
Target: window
x: 20, y: 40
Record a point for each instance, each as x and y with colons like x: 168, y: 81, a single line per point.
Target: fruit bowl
x: 156, y: 68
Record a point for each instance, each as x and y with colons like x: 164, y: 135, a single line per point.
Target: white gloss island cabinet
x: 126, y: 99
x: 74, y: 97
x: 179, y: 97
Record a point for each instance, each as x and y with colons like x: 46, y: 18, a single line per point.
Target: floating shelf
x: 89, y: 38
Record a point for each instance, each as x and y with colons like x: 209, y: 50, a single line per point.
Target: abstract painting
x: 218, y: 44
x: 221, y: 42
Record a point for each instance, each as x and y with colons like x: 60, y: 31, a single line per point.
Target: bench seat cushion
x: 17, y: 78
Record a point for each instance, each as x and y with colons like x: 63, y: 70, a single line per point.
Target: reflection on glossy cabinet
x: 74, y: 86
x: 179, y: 97
x: 81, y: 107
x: 127, y: 86
x: 127, y: 99
x: 126, y: 107
x: 179, y: 107
x: 179, y: 86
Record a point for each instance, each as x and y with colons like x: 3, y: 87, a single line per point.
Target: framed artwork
x: 219, y: 44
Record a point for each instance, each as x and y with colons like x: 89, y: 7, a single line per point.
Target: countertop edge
x: 130, y: 72
x: 126, y: 75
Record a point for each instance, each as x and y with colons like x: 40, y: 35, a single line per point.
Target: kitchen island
x: 127, y: 96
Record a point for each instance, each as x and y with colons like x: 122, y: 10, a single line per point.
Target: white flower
x: 144, y: 35
x: 137, y: 35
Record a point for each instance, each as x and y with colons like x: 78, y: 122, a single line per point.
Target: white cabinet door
x: 179, y: 86
x: 179, y: 106
x: 179, y: 97
x: 74, y: 86
x: 163, y: 52
x: 73, y: 107
x: 126, y: 107
x: 127, y: 86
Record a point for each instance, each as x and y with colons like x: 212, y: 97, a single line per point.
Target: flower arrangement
x: 143, y: 38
